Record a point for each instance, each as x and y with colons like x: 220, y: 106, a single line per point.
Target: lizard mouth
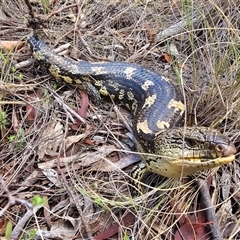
x: 206, y: 161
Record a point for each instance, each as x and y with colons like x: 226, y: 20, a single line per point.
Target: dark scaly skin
x: 167, y: 148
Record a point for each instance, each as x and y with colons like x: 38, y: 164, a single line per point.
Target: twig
x: 107, y: 128
x: 11, y: 199
x: 122, y: 118
x: 34, y: 15
x: 138, y: 54
x: 31, y: 12
x: 59, y: 10
x: 179, y: 27
x: 210, y: 210
x: 22, y: 222
x: 68, y: 109
x: 77, y: 203
x: 84, y: 43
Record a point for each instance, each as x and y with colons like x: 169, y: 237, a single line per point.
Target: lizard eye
x: 191, y: 143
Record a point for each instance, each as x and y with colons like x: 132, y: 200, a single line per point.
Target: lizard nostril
x: 220, y: 148
x: 225, y: 150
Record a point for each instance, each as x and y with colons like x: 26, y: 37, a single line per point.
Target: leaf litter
x: 83, y: 166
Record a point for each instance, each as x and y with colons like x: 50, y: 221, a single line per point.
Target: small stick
x: 68, y: 109
x: 210, y: 210
x: 60, y: 10
x: 31, y: 12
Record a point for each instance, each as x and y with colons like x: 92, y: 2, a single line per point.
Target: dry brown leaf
x: 52, y: 139
x: 53, y: 177
x: 229, y: 229
x: 90, y: 142
x: 159, y: 227
x: 95, y: 141
x: 180, y: 65
x: 82, y: 110
x: 192, y: 227
x: 3, y: 16
x: 30, y: 110
x: 80, y: 160
x: 3, y: 224
x: 172, y: 49
x: 30, y: 180
x: 113, y: 229
x: 9, y: 45
x: 150, y: 33
x: 224, y: 213
x: 61, y: 205
x: 47, y: 212
x: 225, y: 184
x: 83, y: 102
x: 74, y: 139
x: 15, y: 121
x: 61, y: 230
x: 192, y: 231
x: 167, y: 58
x: 108, y: 166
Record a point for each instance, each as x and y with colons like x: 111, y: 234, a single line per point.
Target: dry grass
x: 205, y: 45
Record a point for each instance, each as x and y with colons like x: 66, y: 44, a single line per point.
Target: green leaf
x: 37, y: 200
x: 8, y: 232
